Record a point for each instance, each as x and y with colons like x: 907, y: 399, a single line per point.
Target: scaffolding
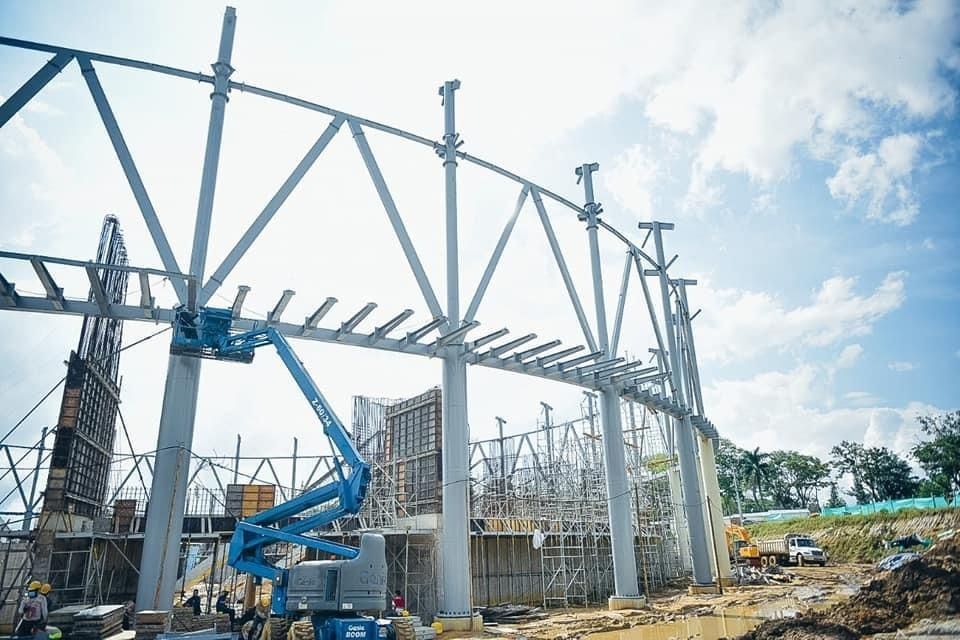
x: 539, y: 530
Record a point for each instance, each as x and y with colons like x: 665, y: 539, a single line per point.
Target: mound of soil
x: 928, y: 587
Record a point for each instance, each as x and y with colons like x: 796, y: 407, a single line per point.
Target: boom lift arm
x: 207, y: 334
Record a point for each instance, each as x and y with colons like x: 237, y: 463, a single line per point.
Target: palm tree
x: 757, y: 469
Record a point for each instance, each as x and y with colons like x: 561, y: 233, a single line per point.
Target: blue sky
x: 806, y: 151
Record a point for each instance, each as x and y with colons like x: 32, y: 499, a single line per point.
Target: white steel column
x: 708, y: 463
x: 161, y: 545
x: 626, y: 585
x: 679, y: 517
x: 455, y: 605
x: 683, y: 432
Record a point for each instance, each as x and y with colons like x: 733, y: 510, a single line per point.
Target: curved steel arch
x: 671, y: 387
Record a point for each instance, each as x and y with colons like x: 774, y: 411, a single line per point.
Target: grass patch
x: 858, y: 538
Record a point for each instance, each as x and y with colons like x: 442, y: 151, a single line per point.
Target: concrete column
x: 161, y: 547
x: 711, y: 486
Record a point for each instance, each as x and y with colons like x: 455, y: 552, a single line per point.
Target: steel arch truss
x: 585, y: 365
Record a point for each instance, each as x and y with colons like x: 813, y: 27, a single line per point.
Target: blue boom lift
x: 334, y: 593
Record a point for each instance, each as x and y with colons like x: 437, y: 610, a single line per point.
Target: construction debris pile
x: 772, y: 574
x: 510, y: 613
x: 926, y: 588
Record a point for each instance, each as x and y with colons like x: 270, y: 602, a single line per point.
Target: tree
x: 730, y: 475
x: 939, y: 457
x: 878, y: 473
x: 778, y: 482
x: 889, y: 476
x: 806, y: 475
x: 848, y: 459
x: 835, y: 500
x: 756, y: 467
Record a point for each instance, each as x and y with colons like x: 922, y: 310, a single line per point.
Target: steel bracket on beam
x: 487, y: 339
x: 237, y: 307
x: 381, y: 332
x: 274, y: 316
x: 413, y: 336
x: 456, y: 334
x: 99, y: 295
x: 355, y: 319
x: 54, y: 293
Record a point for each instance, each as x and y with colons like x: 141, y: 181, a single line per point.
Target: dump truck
x: 793, y: 548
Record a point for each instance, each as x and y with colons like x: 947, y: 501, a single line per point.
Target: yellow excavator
x: 740, y: 545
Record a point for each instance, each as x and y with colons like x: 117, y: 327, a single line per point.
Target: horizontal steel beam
x: 135, y: 313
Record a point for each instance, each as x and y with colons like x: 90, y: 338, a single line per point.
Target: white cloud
x: 901, y: 366
x: 928, y: 244
x: 849, y: 356
x: 861, y: 398
x: 778, y: 409
x: 632, y: 180
x: 881, y: 179
x: 739, y: 324
x: 756, y: 83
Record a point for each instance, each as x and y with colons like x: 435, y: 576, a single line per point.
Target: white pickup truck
x: 793, y: 548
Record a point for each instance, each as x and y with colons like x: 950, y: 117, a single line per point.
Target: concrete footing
x: 461, y: 623
x: 616, y: 603
x: 729, y: 581
x: 703, y: 589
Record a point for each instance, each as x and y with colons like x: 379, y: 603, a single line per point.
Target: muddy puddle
x: 728, y: 622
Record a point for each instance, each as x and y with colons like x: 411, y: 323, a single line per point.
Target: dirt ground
x: 811, y: 586
x: 925, y: 589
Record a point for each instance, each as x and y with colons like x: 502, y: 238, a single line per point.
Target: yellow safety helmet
x: 34, y: 586
x: 263, y: 607
x: 46, y: 588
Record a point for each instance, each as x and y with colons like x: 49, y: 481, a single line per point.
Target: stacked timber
x: 63, y: 618
x: 97, y: 622
x: 183, y: 620
x: 300, y: 630
x: 278, y: 629
x: 404, y: 628
x: 150, y: 624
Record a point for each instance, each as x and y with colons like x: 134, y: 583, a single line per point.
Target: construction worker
x: 194, y: 601
x: 47, y: 592
x: 32, y: 610
x: 223, y: 607
x: 259, y: 627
